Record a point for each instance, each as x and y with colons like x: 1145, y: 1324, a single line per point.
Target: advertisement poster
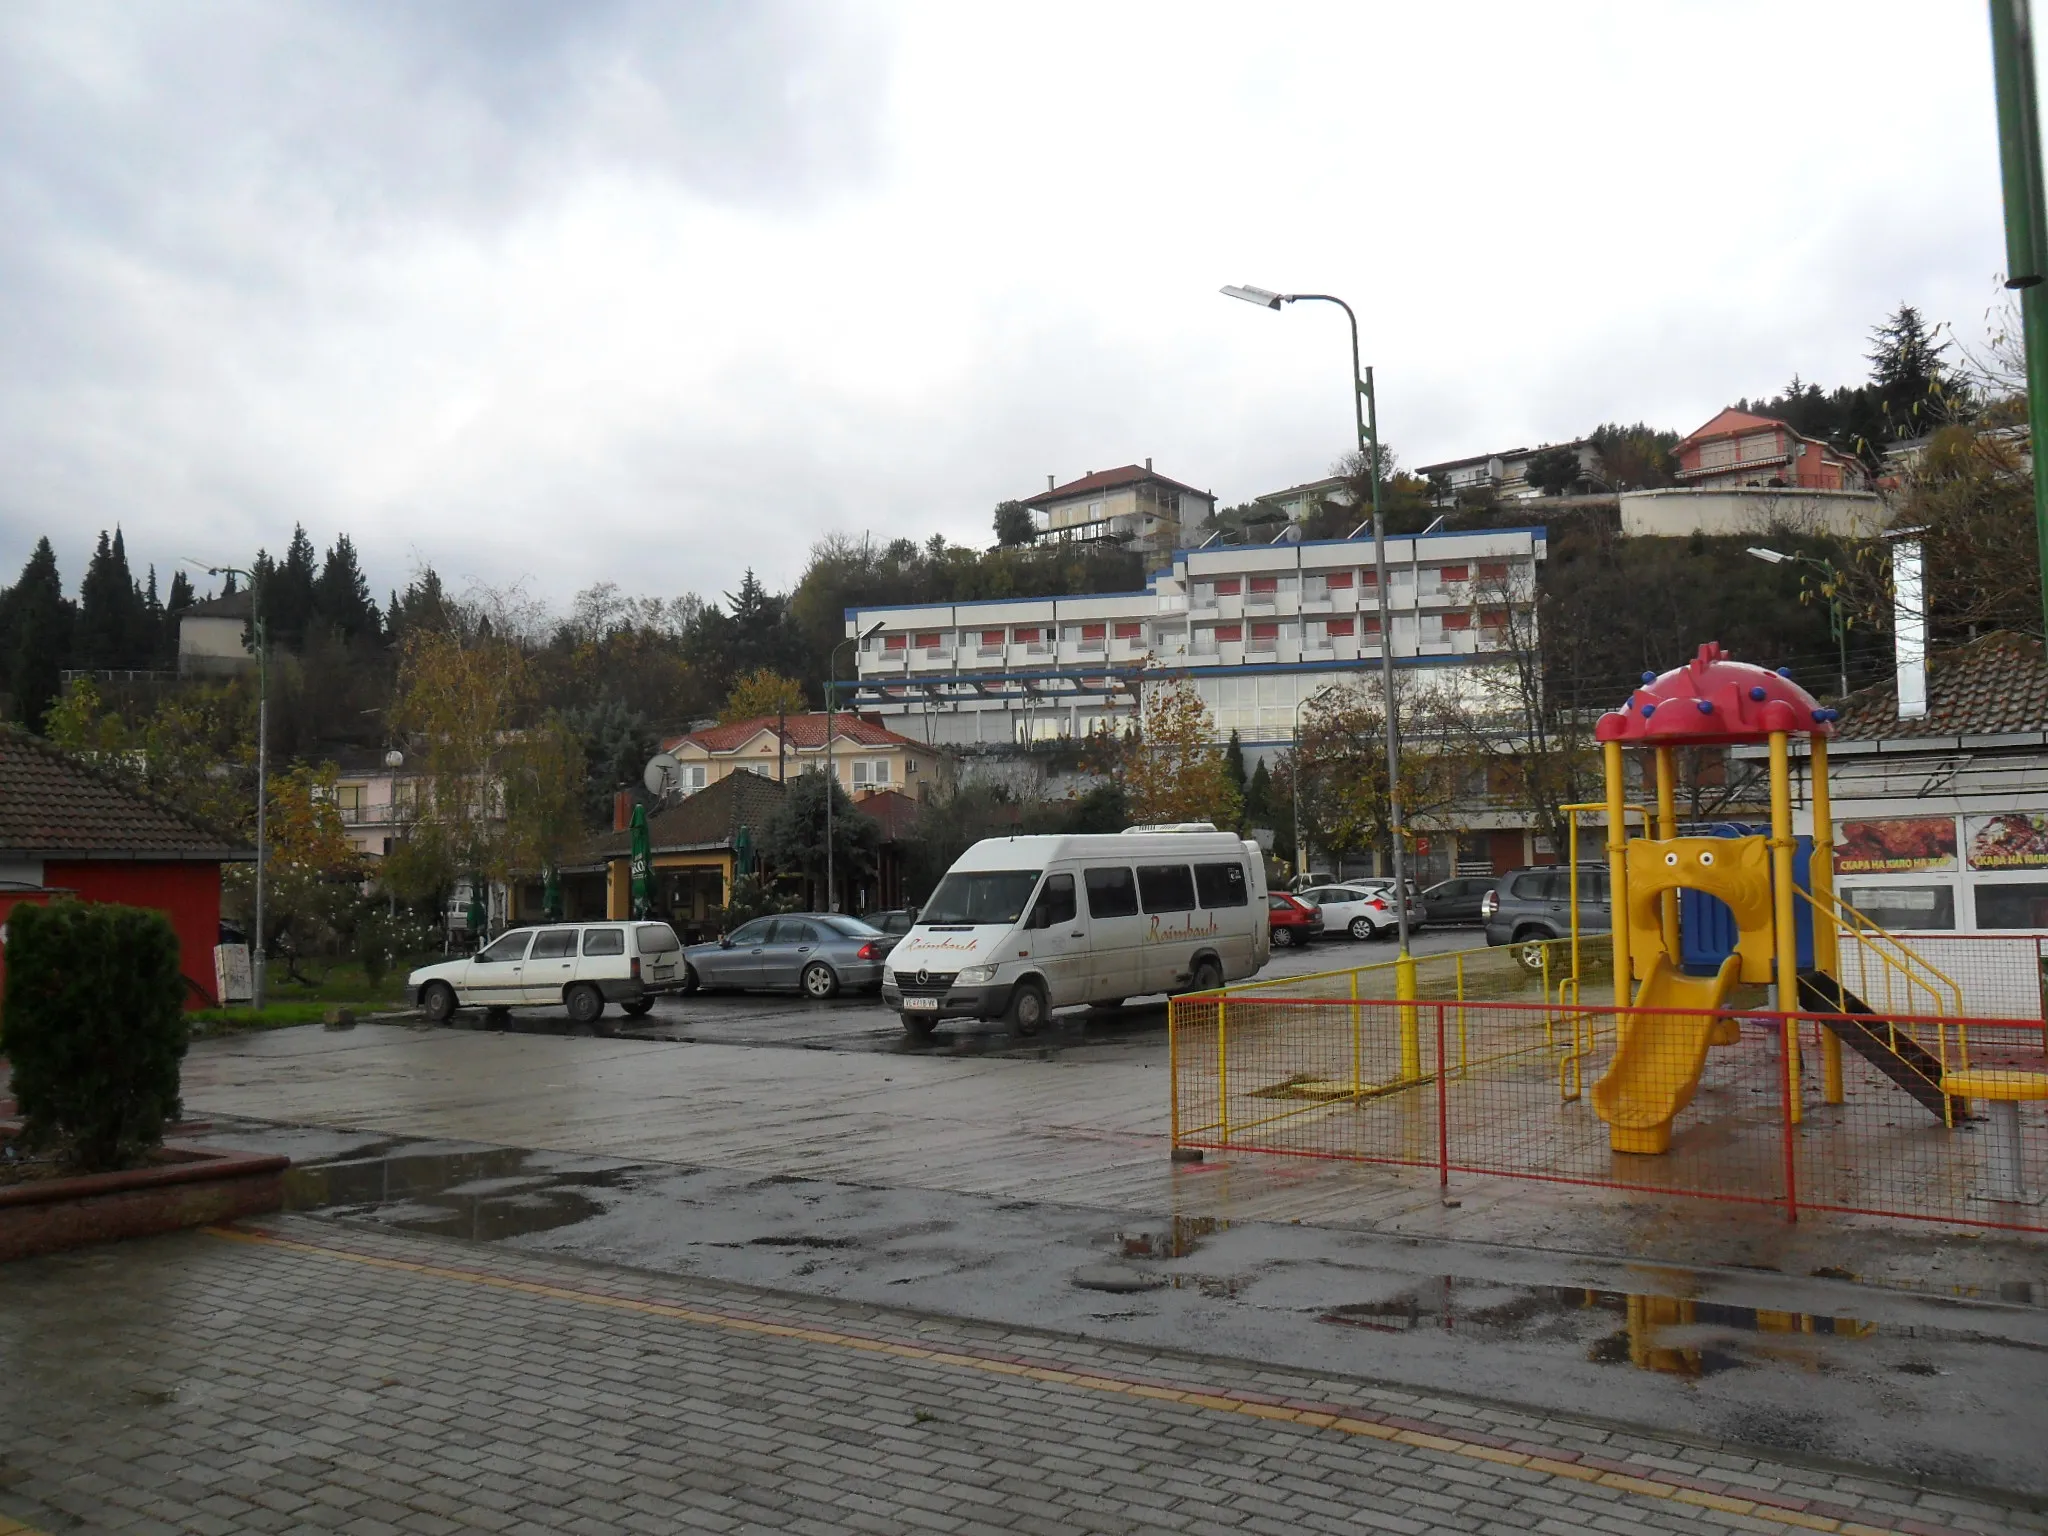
x: 1896, y: 845
x: 2014, y: 840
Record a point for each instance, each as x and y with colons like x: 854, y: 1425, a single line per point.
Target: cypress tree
x: 181, y: 598
x: 341, y: 598
x: 287, y: 591
x: 38, y: 641
x: 113, y: 627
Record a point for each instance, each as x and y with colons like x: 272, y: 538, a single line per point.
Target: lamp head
x: 869, y: 632
x: 1265, y: 298
x: 1770, y: 556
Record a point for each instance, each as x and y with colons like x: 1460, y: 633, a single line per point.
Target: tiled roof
x: 234, y: 606
x: 895, y: 812
x: 1996, y: 685
x: 53, y: 807
x: 711, y: 818
x: 805, y: 733
x: 1732, y: 420
x: 1103, y: 480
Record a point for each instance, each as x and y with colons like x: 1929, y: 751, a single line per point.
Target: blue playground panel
x: 1706, y: 927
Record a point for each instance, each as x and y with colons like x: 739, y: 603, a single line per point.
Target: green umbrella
x: 551, y: 895
x: 643, y: 865
x: 743, y: 852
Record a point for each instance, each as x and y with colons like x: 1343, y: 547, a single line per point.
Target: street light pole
x: 259, y: 989
x: 2026, y: 229
x: 1838, y: 624
x: 831, y: 771
x: 1365, y: 412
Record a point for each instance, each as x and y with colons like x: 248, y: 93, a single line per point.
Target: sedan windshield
x: 986, y: 896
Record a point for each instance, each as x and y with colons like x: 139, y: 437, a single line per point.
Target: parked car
x: 1526, y: 906
x: 1362, y: 908
x: 818, y: 954
x: 894, y: 923
x: 1292, y: 920
x: 1456, y: 900
x: 1023, y: 925
x: 582, y: 966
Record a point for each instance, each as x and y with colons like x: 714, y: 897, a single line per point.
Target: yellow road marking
x: 1446, y: 1445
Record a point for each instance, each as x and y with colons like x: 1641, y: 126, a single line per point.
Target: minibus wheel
x: 1026, y: 1014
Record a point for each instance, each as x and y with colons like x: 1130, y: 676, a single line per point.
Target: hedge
x: 94, y: 1024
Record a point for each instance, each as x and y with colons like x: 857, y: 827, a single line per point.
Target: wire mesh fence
x: 1919, y: 1117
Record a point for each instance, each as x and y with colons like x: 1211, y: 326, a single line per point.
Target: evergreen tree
x: 287, y: 596
x: 760, y: 636
x: 39, y: 636
x: 1258, y: 797
x: 151, y: 639
x: 112, y: 621
x: 421, y: 606
x: 1233, y: 762
x: 1909, y: 374
x: 181, y: 598
x: 341, y: 598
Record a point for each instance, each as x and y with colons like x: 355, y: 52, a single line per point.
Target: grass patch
x: 292, y: 1002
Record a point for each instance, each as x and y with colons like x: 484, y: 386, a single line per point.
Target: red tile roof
x: 709, y: 820
x: 1996, y: 685
x: 805, y: 733
x: 1103, y: 480
x: 53, y: 806
x: 1732, y: 421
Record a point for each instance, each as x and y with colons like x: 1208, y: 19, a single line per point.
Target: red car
x: 1293, y: 922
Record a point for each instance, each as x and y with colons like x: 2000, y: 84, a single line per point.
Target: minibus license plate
x: 920, y: 1005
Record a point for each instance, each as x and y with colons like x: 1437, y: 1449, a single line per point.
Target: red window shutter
x: 927, y: 640
x: 1092, y: 631
x: 892, y: 642
x: 1372, y: 624
x: 1370, y: 578
x: 1493, y: 618
x: 1265, y: 631
x: 1457, y: 621
x: 991, y: 637
x: 1027, y: 636
x: 1493, y: 570
x: 1339, y: 580
x: 1229, y: 586
x: 1339, y: 628
x: 1456, y: 573
x: 1130, y: 631
x: 1265, y: 584
x: 1231, y: 632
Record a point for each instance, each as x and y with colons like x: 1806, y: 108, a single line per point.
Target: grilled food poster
x: 1896, y: 844
x: 2014, y: 840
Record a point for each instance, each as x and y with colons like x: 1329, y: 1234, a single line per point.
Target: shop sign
x: 1895, y: 845
x: 2012, y: 840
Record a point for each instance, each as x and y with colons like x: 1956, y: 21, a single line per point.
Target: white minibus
x: 1023, y: 925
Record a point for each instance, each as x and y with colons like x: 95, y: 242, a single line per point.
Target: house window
x: 348, y: 797
x: 1369, y: 578
x: 991, y: 637
x: 929, y: 642
x: 1027, y: 635
x: 1493, y: 570
x: 1761, y: 445
x: 1336, y: 628
x: 1315, y: 587
x: 1430, y: 628
x: 694, y: 775
x: 1493, y: 618
x: 1228, y: 586
x: 1340, y: 581
x: 868, y: 772
x: 1093, y: 632
x: 1130, y: 631
x: 1371, y: 624
x: 1717, y: 454
x: 1265, y: 636
x: 1231, y: 632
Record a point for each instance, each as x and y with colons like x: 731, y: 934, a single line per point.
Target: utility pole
x: 2026, y: 233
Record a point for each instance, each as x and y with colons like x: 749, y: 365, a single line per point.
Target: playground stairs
x: 1886, y: 1046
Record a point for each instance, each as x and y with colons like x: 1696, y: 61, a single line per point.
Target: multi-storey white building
x: 1258, y: 628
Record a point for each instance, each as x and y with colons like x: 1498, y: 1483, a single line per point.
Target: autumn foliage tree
x: 763, y: 691
x: 312, y: 871
x: 1338, y: 770
x: 1171, y: 767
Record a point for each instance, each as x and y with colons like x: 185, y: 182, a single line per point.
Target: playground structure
x: 1719, y: 1068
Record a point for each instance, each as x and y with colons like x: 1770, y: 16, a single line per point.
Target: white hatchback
x: 1364, y: 910
x: 580, y: 966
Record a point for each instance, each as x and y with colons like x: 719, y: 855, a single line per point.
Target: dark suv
x: 1527, y: 904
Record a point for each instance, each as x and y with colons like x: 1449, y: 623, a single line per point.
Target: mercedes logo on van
x: 923, y: 976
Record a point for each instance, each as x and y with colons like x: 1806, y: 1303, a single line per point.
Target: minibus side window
x: 1055, y: 903
x: 1220, y: 885
x: 1111, y: 893
x: 1166, y: 887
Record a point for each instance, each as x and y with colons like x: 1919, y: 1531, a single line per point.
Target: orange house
x: 1737, y: 449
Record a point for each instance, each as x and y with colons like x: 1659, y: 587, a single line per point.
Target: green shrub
x: 94, y: 1025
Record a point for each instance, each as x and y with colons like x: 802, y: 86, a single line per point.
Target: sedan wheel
x: 586, y: 1003
x: 1283, y: 938
x: 1362, y: 928
x: 438, y: 1002
x: 820, y: 981
x: 690, y: 981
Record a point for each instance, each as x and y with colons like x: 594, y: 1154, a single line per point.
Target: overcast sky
x: 651, y: 292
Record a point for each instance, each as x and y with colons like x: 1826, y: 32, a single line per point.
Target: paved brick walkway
x: 310, y: 1376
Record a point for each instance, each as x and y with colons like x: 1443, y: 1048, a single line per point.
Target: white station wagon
x: 580, y: 966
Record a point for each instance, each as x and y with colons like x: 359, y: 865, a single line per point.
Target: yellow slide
x: 1658, y: 1057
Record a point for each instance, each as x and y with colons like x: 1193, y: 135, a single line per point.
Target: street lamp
x: 1836, y: 622
x: 258, y: 970
x: 831, y: 773
x: 1300, y: 857
x: 1365, y: 410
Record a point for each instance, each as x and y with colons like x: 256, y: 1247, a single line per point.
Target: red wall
x: 187, y: 892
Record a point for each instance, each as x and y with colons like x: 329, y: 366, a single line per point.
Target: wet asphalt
x: 1942, y: 1388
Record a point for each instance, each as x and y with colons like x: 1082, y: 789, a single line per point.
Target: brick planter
x: 191, y: 1189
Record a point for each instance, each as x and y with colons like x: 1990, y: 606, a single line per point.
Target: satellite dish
x: 663, y: 774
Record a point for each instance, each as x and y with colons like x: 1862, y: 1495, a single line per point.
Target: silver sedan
x: 815, y: 953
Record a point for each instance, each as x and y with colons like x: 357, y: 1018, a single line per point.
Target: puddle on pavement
x: 1179, y: 1240
x: 1658, y: 1333
x: 485, y: 1194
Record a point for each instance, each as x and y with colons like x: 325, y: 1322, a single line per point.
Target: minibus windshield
x: 985, y: 896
